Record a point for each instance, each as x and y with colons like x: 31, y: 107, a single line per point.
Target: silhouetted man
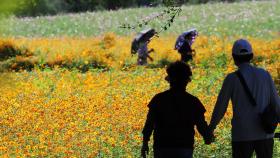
x: 172, y: 116
x: 248, y: 135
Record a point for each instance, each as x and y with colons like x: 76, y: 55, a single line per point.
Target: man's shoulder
x: 256, y: 70
x: 159, y: 98
x: 190, y: 95
x: 161, y: 95
x: 193, y: 98
x: 231, y: 76
x: 261, y: 70
x: 169, y: 93
x: 196, y: 103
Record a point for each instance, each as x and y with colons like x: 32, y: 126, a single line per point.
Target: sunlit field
x: 72, y: 96
x: 57, y: 111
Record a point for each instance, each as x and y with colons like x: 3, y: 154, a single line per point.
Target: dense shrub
x: 41, y: 7
x: 8, y: 50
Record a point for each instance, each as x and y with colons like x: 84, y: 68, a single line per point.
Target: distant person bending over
x: 172, y: 116
x: 184, y: 43
x: 143, y: 53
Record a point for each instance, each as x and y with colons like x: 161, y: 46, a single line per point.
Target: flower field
x: 71, y: 88
x: 85, y: 97
x: 110, y: 51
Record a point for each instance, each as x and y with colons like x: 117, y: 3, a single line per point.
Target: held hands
x: 145, y: 150
x: 210, y: 140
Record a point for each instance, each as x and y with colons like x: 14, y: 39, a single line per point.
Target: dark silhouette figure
x: 186, y: 52
x: 172, y: 116
x: 139, y: 45
x: 183, y: 45
x: 143, y: 53
x: 247, y: 134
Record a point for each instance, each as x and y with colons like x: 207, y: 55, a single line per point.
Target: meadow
x: 71, y: 88
x: 260, y: 19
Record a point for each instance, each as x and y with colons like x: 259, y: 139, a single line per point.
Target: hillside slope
x: 257, y: 19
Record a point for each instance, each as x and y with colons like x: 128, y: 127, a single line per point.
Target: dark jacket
x: 186, y: 52
x: 172, y: 116
x: 185, y: 48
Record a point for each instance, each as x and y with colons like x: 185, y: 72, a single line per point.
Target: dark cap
x: 242, y: 47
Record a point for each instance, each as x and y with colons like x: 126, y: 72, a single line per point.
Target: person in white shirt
x: 247, y: 132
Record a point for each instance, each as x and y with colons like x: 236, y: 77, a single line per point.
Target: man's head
x: 179, y: 74
x: 242, y: 51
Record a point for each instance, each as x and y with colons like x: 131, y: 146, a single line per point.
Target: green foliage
x: 41, y: 7
x: 8, y: 6
x: 10, y: 55
x: 7, y: 51
x: 52, y: 7
x: 221, y: 19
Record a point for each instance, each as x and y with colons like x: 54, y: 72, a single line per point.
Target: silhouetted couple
x: 174, y: 113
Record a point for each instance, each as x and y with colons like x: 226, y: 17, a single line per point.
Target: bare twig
x: 171, y: 12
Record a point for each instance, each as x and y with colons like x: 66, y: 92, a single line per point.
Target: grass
x: 255, y: 19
